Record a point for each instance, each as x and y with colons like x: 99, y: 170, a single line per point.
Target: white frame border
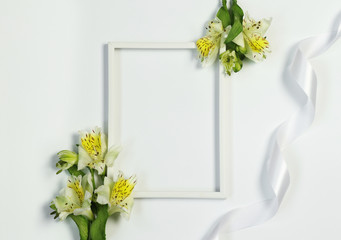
x: 114, y: 120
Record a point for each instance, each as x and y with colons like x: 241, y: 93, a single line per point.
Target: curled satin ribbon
x: 301, y: 71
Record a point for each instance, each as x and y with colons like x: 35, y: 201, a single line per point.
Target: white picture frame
x: 224, y: 122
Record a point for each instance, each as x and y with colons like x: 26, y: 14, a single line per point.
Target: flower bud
x: 230, y: 61
x: 238, y: 65
x: 67, y: 159
x: 241, y: 49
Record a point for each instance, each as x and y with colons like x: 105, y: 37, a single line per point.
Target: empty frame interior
x: 170, y: 116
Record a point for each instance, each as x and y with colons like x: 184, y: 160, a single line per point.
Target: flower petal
x: 254, y: 56
x: 103, y: 194
x: 83, y: 159
x: 111, y: 155
x: 239, y: 40
x: 113, y: 209
x: 128, y: 204
x: 104, y: 191
x: 208, y: 48
x: 87, y: 183
x: 59, y: 202
x: 63, y: 215
x: 265, y: 24
x: 256, y: 47
x: 251, y: 26
x: 92, y: 143
x: 62, y: 205
x: 214, y: 28
x: 99, y: 166
x: 103, y: 143
x: 125, y: 208
x: 73, y: 198
x: 85, y: 212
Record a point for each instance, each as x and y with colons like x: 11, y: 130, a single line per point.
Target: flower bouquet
x: 90, y: 196
x: 233, y: 36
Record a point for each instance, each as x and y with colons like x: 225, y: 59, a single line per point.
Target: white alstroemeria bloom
x: 75, y: 198
x: 93, y: 151
x: 253, y: 39
x: 117, y: 194
x: 208, y: 46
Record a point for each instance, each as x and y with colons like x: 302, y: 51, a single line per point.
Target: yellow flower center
x: 92, y: 144
x: 205, y: 45
x: 77, y: 187
x: 257, y: 43
x: 121, y: 190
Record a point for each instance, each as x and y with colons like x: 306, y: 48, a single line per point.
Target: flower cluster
x: 90, y: 196
x: 233, y: 36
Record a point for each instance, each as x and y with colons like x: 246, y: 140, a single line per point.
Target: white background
x: 53, y: 83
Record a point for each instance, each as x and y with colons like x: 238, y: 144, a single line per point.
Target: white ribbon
x: 301, y: 71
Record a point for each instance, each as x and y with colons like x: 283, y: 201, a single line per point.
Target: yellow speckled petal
x: 76, y: 186
x: 252, y: 26
x: 92, y: 143
x: 205, y: 45
x: 122, y: 189
x: 214, y: 28
x: 208, y: 49
x: 257, y: 43
x: 74, y: 199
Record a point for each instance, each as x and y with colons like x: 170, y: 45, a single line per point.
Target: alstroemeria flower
x: 117, y: 194
x: 230, y: 62
x: 208, y: 46
x: 93, y: 151
x: 253, y: 39
x: 75, y: 198
x: 66, y: 160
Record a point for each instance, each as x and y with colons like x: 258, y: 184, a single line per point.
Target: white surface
x: 171, y: 117
x: 53, y: 76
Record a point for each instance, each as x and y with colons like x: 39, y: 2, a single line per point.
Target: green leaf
x: 93, y: 177
x: 237, y: 28
x: 224, y: 4
x: 224, y: 16
x: 97, y: 228
x: 73, y: 171
x: 53, y: 206
x: 83, y: 226
x: 231, y: 46
x: 236, y: 11
x: 241, y: 56
x: 55, y: 212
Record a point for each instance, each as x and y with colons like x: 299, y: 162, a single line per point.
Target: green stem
x: 83, y: 226
x: 93, y: 177
x: 97, y: 228
x: 102, y: 176
x: 105, y: 171
x: 224, y: 3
